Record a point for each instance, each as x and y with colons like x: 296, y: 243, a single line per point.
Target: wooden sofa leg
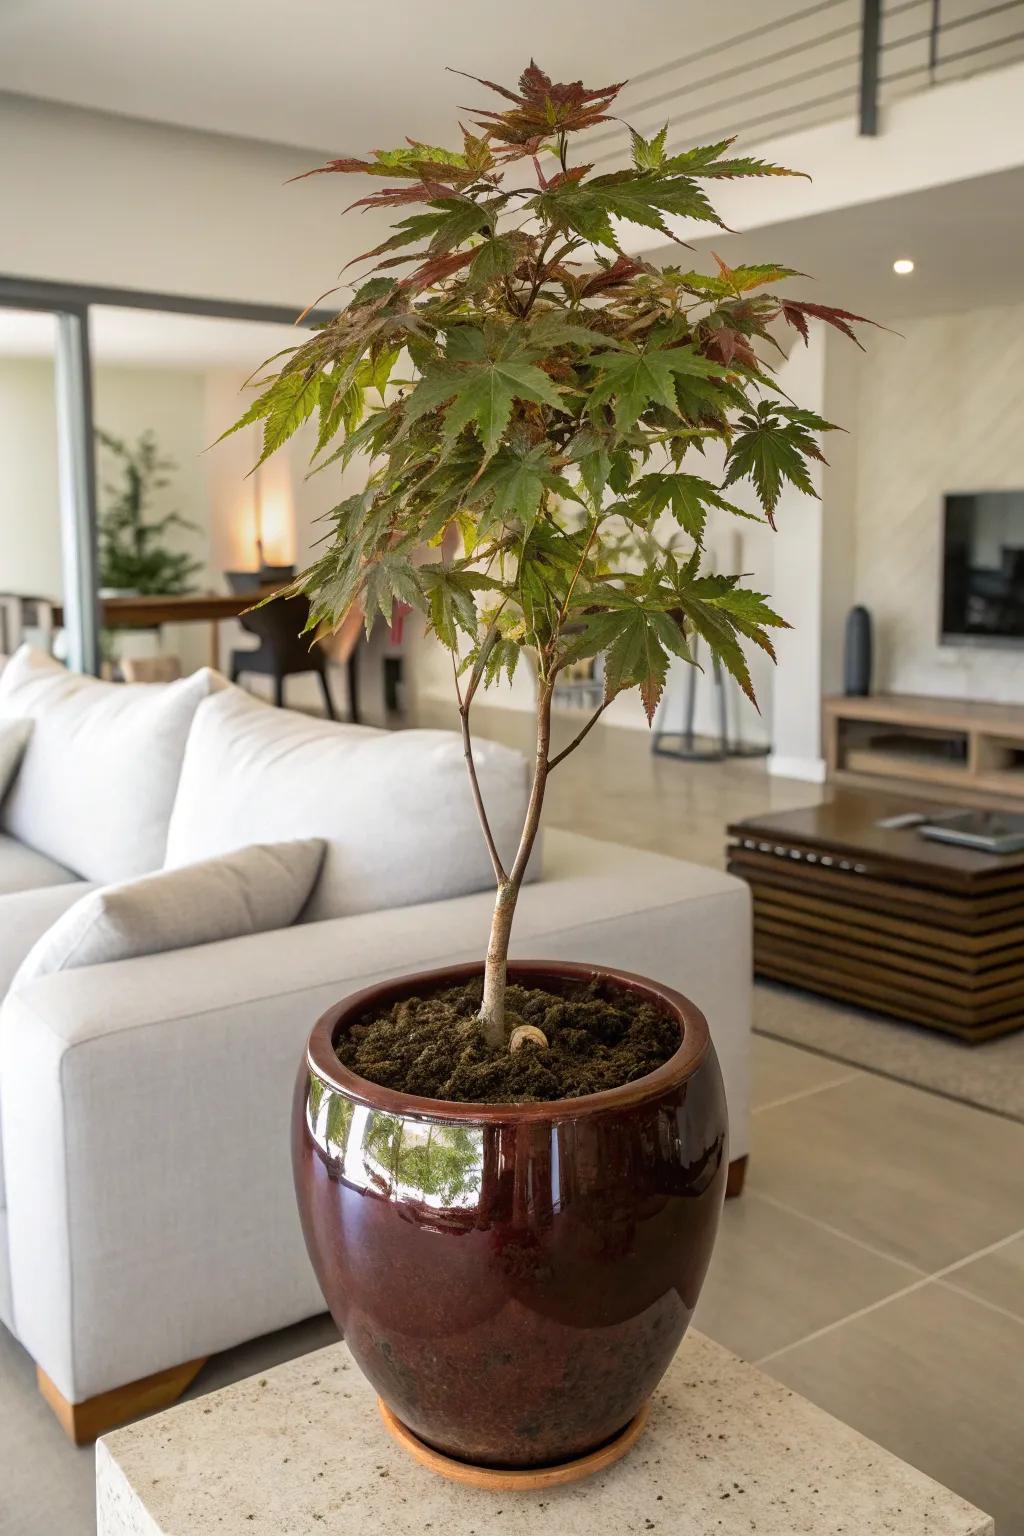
x: 737, y: 1173
x: 85, y: 1422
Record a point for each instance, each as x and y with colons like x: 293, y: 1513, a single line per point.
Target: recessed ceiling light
x: 903, y: 266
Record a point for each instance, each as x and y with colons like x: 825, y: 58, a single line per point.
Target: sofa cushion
x: 22, y: 869
x: 253, y: 890
x: 394, y: 807
x: 24, y: 917
x: 99, y: 774
x: 14, y: 735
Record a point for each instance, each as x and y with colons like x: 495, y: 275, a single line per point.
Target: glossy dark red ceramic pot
x: 512, y: 1279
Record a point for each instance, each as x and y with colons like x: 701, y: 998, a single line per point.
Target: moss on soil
x: 433, y: 1046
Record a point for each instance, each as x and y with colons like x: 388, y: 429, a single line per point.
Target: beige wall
x: 940, y: 409
x: 29, y: 529
x: 127, y: 401
x: 92, y: 198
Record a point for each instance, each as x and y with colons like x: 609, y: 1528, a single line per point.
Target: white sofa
x: 146, y: 1209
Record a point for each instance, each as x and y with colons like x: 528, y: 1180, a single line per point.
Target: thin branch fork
x: 595, y: 717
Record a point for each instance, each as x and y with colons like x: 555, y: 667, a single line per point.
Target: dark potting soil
x: 433, y: 1047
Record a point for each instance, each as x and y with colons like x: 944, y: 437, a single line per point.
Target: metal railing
x: 823, y: 62
x: 956, y: 40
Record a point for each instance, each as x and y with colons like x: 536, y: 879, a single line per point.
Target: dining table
x: 138, y: 611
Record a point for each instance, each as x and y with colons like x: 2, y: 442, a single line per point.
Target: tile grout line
x: 847, y: 1237
x: 805, y: 1093
x: 906, y: 1290
x: 983, y: 1301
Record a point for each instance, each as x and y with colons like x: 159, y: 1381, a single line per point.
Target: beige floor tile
x: 776, y: 1277
x: 923, y: 1179
x: 782, y: 1071
x: 936, y: 1378
x: 999, y: 1278
x: 47, y: 1485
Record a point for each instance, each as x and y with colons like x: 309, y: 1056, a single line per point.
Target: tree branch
x: 540, y: 774
x: 487, y: 645
x: 478, y: 799
x: 595, y: 717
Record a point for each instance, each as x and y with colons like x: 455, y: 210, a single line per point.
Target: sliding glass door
x: 74, y: 318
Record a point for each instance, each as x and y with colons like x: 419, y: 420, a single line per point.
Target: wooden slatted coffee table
x: 883, y: 918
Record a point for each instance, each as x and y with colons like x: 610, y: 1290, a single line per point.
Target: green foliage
x: 526, y: 394
x: 132, y: 554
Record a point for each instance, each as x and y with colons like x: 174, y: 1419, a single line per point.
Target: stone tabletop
x: 302, y: 1450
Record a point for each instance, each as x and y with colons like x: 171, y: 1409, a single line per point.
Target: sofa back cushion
x: 14, y: 736
x: 100, y: 770
x: 394, y: 807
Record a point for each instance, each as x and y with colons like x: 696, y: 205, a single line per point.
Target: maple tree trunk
x: 492, y: 1007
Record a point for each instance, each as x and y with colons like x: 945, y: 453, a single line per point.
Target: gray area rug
x: 989, y: 1075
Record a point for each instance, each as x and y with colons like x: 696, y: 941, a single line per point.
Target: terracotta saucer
x: 510, y: 1479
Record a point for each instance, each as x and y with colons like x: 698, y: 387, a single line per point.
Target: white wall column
x: 796, y: 590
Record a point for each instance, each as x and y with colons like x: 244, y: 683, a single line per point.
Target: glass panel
x: 30, y: 545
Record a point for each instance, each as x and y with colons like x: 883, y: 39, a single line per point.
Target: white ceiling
x: 351, y: 77
x: 965, y: 239
x: 147, y: 338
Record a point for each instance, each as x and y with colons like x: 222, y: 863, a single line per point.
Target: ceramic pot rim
x: 680, y: 1066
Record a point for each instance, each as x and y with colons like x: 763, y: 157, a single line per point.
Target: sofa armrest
x: 145, y: 1104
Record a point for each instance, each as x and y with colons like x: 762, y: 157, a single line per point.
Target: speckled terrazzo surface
x: 302, y: 1450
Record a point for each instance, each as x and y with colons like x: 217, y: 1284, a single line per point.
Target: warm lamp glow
x: 273, y: 515
x: 902, y: 266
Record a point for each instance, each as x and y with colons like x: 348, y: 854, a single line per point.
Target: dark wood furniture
x: 286, y: 650
x: 885, y: 919
x: 214, y: 607
x: 939, y: 748
x: 191, y: 608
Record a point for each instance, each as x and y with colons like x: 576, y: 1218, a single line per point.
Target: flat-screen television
x: 983, y: 568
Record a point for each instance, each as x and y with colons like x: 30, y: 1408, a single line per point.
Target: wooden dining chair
x: 285, y: 651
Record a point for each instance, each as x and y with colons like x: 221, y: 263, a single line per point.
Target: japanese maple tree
x: 550, y: 398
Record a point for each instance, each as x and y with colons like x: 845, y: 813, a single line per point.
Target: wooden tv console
x: 956, y: 750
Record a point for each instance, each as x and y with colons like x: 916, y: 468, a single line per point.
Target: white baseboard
x: 810, y: 769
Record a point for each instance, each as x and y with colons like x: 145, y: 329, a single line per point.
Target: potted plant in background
x: 510, y: 1175
x: 133, y: 556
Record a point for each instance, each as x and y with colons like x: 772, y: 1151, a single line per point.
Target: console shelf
x: 943, y: 748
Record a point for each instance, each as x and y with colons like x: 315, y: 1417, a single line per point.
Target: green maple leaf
x: 687, y: 497
x: 294, y: 398
x: 575, y: 206
x: 592, y: 453
x: 705, y: 160
x: 750, y: 275
x: 451, y: 600
x: 479, y: 388
x: 772, y: 447
x: 719, y: 634
x: 516, y: 479
x: 452, y: 220
x: 636, y: 640
x: 588, y: 207
x: 391, y: 579
x: 648, y: 154
x: 635, y: 380
x: 641, y: 200
x: 494, y: 258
